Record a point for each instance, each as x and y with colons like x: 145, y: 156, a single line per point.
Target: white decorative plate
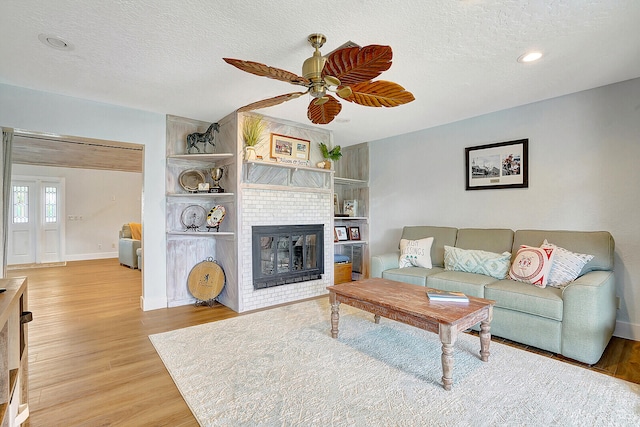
x: 216, y: 215
x: 193, y: 217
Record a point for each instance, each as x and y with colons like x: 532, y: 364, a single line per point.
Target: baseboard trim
x: 88, y: 257
x: 627, y: 330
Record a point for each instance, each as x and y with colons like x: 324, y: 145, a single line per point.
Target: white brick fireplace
x: 263, y: 205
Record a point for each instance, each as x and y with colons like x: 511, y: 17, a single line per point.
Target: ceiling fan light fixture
x: 529, y: 57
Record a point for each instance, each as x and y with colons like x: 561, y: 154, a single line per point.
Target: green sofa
x: 576, y: 321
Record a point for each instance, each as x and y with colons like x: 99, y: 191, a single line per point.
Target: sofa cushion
x: 459, y: 281
x: 566, y: 265
x: 477, y: 261
x: 413, y: 275
x: 512, y: 295
x: 441, y: 236
x: 496, y: 240
x: 532, y: 265
x: 415, y: 253
x: 600, y: 244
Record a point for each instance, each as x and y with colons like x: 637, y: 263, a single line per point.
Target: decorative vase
x: 327, y: 164
x: 250, y: 153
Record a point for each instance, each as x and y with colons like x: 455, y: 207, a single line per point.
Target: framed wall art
x: 350, y: 207
x: 287, y: 147
x: 354, y: 233
x: 340, y: 234
x: 500, y: 165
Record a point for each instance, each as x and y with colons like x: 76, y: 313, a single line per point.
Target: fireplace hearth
x: 285, y: 254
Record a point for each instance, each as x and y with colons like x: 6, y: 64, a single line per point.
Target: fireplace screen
x: 284, y: 254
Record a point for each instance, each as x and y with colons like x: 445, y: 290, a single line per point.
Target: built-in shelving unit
x: 14, y: 383
x: 351, y: 182
x: 185, y: 247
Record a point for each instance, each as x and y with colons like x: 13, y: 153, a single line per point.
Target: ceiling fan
x: 347, y: 72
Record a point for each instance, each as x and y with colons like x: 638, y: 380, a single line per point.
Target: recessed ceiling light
x: 55, y: 42
x: 530, y: 57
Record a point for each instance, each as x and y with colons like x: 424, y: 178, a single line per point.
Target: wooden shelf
x: 202, y: 233
x: 286, y: 166
x: 350, y: 218
x: 348, y: 181
x: 201, y: 157
x: 203, y: 195
x: 350, y: 242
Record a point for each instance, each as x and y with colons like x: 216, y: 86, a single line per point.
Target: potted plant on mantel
x: 333, y: 154
x: 252, y: 128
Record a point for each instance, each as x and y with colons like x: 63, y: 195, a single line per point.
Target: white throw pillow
x: 566, y: 265
x: 476, y: 261
x: 532, y: 265
x: 415, y: 253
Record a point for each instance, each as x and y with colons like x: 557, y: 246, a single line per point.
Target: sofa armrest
x: 380, y: 263
x: 589, y: 316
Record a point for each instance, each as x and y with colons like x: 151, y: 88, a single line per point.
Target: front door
x: 35, y: 234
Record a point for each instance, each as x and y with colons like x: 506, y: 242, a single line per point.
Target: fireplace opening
x: 284, y: 254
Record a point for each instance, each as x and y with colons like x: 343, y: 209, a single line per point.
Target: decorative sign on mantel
x: 293, y: 162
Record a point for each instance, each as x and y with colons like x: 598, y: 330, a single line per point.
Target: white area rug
x: 281, y: 367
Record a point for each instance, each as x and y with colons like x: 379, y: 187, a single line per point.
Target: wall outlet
x: 113, y: 246
x: 99, y: 245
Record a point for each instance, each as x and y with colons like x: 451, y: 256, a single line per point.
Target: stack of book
x: 438, y: 295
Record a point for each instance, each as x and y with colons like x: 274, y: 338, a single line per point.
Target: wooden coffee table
x: 409, y: 304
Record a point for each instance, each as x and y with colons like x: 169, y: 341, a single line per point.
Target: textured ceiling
x: 458, y: 57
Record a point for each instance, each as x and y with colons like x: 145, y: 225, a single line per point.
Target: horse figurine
x: 193, y: 139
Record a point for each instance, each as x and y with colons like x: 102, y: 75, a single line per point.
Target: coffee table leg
x: 448, y: 336
x: 376, y: 318
x: 485, y: 340
x: 335, y: 315
x: 485, y: 336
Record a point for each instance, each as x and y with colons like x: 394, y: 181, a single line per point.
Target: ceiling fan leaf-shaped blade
x: 270, y: 102
x: 266, y: 71
x: 353, y: 65
x: 324, y: 113
x: 379, y: 94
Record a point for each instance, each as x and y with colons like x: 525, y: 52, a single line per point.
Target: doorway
x: 36, y: 234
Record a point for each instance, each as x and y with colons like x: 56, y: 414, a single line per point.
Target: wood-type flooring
x: 92, y: 364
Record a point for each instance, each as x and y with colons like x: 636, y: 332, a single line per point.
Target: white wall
x: 104, y: 200
x: 45, y: 112
x: 584, y: 150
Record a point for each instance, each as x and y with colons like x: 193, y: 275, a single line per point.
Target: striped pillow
x: 566, y: 265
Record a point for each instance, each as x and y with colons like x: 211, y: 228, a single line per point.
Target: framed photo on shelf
x: 350, y: 208
x: 501, y: 165
x: 288, y: 147
x: 340, y: 234
x: 354, y: 233
x: 336, y: 207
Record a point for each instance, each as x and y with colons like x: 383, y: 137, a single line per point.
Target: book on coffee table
x: 438, y: 295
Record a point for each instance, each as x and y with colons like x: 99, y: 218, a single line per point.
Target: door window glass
x: 50, y: 205
x: 20, y: 204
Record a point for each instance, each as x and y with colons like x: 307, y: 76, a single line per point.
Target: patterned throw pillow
x: 532, y: 265
x: 566, y: 265
x: 415, y: 253
x: 477, y: 261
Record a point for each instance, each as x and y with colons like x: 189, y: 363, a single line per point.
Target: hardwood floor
x: 92, y: 364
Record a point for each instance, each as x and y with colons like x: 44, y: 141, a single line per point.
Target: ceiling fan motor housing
x: 312, y: 70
